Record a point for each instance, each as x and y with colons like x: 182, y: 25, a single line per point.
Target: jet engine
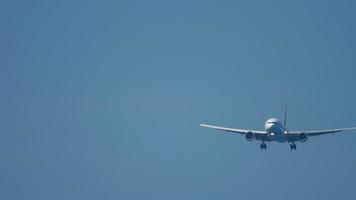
x: 249, y: 136
x: 302, y: 137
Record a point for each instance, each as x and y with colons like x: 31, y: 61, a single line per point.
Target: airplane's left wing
x: 233, y: 130
x: 322, y: 132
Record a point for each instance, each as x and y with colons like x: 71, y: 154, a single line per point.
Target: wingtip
x: 204, y: 125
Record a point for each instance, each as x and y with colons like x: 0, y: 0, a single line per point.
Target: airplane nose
x: 268, y: 126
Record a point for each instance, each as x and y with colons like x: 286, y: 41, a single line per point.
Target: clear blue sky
x: 102, y: 99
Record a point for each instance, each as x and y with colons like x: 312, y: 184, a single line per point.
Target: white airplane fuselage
x: 276, y: 130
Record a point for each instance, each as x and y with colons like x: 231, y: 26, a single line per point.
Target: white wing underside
x: 233, y: 130
x: 322, y: 132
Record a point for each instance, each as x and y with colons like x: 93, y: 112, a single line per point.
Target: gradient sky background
x: 102, y: 99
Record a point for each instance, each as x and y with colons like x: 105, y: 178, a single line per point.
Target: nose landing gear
x: 263, y: 146
x: 293, y: 146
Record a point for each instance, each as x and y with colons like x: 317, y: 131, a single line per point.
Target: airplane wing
x: 322, y: 132
x: 233, y: 130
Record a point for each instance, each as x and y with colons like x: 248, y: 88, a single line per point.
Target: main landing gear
x: 293, y: 146
x: 263, y: 146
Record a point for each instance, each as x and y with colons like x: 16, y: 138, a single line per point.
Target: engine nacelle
x: 249, y: 136
x: 302, y: 137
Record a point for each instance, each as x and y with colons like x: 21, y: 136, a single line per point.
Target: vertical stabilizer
x: 285, y: 116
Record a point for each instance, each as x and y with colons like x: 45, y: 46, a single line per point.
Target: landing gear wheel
x: 263, y: 146
x: 293, y: 146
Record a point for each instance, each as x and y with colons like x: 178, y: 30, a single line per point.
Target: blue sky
x: 102, y: 100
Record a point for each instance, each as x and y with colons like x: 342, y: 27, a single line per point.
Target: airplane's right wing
x: 322, y: 132
x: 233, y: 130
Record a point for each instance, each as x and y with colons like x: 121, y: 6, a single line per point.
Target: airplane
x: 276, y: 131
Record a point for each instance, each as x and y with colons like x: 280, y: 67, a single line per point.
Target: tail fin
x: 285, y: 116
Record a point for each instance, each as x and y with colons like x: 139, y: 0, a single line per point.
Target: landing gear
x: 293, y: 146
x: 263, y: 146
